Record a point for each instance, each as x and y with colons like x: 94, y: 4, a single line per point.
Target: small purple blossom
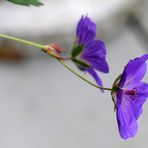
x: 94, y: 54
x: 90, y: 51
x: 130, y: 95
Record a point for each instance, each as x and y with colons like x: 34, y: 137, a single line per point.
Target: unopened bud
x: 56, y: 47
x: 54, y: 50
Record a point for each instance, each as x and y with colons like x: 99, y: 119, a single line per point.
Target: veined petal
x: 140, y: 96
x: 95, y: 76
x: 126, y: 120
x: 134, y: 71
x: 94, y: 53
x: 86, y: 30
x: 129, y: 108
x: 131, y: 96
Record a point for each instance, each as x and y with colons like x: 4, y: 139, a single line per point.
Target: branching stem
x: 45, y: 48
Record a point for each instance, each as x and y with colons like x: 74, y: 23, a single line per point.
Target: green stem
x: 24, y: 41
x: 44, y: 48
x: 77, y: 74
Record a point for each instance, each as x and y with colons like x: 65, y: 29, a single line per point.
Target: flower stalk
x: 23, y: 41
x: 77, y: 74
x: 45, y: 49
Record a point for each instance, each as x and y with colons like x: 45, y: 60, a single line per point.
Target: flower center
x: 132, y: 93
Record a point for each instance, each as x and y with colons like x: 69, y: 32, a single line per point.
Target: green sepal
x: 116, y: 80
x: 115, y: 88
x: 76, y: 50
x: 80, y: 64
x: 26, y: 2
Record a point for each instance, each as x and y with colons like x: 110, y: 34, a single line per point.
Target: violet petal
x: 86, y: 30
x: 126, y: 120
x: 95, y: 76
x: 94, y: 53
x: 140, y: 96
x: 134, y: 71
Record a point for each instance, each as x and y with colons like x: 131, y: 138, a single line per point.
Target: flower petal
x: 126, y: 120
x: 134, y: 71
x: 94, y: 53
x: 140, y: 97
x: 95, y: 76
x: 86, y: 30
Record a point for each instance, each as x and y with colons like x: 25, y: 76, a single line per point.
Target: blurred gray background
x: 42, y: 105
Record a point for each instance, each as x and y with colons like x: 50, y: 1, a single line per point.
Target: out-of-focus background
x: 44, y: 105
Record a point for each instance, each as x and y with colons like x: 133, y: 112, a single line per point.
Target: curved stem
x: 77, y: 74
x: 44, y: 48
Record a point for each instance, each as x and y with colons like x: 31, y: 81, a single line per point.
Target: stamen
x: 132, y: 93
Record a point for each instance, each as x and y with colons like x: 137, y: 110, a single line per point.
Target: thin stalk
x: 24, y: 41
x: 77, y: 74
x: 45, y: 48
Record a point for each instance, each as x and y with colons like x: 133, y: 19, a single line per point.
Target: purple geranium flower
x: 94, y: 54
x: 130, y: 95
x: 89, y: 54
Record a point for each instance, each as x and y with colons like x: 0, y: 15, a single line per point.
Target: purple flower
x: 86, y: 30
x: 89, y: 54
x: 94, y: 54
x: 130, y: 94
